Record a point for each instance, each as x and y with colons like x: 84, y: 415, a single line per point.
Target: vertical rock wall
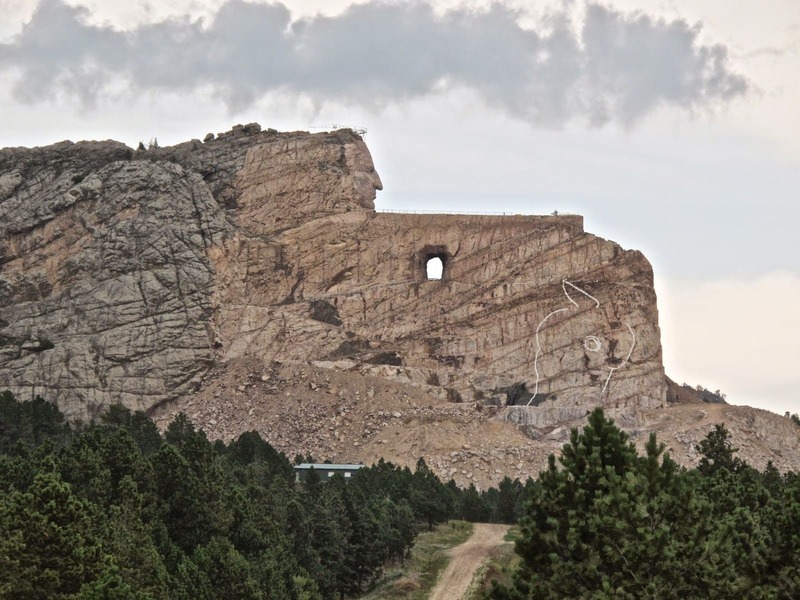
x: 105, y: 286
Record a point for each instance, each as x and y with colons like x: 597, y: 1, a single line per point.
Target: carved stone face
x: 596, y: 347
x: 366, y: 179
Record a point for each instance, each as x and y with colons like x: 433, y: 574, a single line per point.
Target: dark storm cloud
x: 613, y: 66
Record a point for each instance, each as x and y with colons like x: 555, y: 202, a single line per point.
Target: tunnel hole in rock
x: 434, y: 267
x: 433, y: 263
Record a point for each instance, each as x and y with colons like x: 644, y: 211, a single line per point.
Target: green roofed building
x: 325, y: 471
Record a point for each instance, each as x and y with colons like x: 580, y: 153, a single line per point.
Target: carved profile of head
x: 366, y: 180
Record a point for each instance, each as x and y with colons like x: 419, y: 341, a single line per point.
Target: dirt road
x: 465, y: 559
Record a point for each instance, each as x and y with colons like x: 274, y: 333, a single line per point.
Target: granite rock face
x: 124, y: 276
x: 105, y: 284
x: 350, y: 291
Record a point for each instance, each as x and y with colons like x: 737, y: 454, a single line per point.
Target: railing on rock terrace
x: 471, y: 212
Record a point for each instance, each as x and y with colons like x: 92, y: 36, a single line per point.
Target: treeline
x: 607, y: 523
x: 116, y: 510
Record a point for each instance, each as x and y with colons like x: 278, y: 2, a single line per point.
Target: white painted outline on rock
x: 565, y: 283
x: 593, y: 339
x: 539, y: 351
x: 592, y: 343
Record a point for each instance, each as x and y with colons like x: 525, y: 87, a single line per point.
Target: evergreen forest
x: 604, y: 522
x: 118, y: 510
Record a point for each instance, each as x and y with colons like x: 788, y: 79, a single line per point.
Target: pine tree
x: 609, y: 523
x: 218, y: 571
x: 717, y: 452
x: 50, y: 540
x: 141, y: 429
x: 472, y: 506
x: 429, y: 499
x: 507, y: 499
x: 30, y: 423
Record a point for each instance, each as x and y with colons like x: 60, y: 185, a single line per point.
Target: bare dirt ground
x: 349, y: 417
x: 465, y: 560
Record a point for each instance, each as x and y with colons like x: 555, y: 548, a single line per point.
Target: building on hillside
x: 325, y: 471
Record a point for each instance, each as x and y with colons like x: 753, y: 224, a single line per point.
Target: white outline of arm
x: 565, y: 283
x: 539, y: 351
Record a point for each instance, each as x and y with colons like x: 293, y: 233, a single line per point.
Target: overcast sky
x: 671, y: 125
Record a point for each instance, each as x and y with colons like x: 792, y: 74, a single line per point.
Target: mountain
x: 248, y: 280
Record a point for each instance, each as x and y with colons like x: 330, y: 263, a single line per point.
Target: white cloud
x: 609, y: 66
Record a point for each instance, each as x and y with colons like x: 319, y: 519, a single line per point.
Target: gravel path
x: 465, y: 560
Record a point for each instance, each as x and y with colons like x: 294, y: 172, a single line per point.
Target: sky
x: 671, y: 125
